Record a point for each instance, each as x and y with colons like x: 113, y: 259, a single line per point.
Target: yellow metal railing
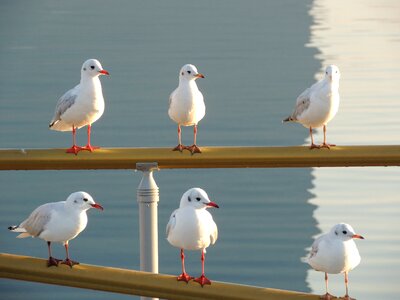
x: 134, y: 282
x: 212, y: 157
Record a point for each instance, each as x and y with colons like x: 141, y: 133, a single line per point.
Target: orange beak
x: 357, y: 236
x: 199, y: 75
x: 98, y: 206
x: 104, y: 72
x: 213, y: 204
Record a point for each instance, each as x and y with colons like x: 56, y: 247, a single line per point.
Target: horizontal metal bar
x: 133, y: 282
x: 212, y: 157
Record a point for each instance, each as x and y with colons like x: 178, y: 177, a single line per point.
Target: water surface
x: 257, y: 57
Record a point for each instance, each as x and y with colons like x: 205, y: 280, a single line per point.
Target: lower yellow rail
x: 211, y: 157
x: 133, y: 282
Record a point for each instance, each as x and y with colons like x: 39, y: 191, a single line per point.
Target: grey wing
x: 171, y: 222
x: 37, y: 221
x: 314, y: 247
x: 302, y: 103
x: 65, y: 102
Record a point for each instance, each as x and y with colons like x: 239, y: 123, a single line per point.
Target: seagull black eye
x: 344, y: 232
x: 198, y: 198
x: 189, y: 72
x: 85, y: 199
x: 92, y: 67
x: 189, y: 199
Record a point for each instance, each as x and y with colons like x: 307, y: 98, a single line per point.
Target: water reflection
x: 361, y: 37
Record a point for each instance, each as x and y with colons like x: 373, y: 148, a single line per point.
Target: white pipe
x: 148, y: 197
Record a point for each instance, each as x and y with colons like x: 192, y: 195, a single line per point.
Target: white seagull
x: 58, y: 222
x: 83, y: 105
x: 335, y: 252
x: 191, y: 227
x: 186, y: 105
x: 318, y: 104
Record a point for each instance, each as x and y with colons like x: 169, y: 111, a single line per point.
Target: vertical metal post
x: 148, y: 197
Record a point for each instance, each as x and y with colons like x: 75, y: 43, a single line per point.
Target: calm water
x: 257, y: 57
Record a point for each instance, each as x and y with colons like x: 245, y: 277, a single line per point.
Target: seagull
x: 83, y: 105
x: 58, y: 222
x: 318, y: 104
x: 186, y: 105
x: 335, y: 252
x: 191, y: 227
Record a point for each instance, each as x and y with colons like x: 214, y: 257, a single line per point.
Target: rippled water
x: 257, y: 57
x: 364, y: 40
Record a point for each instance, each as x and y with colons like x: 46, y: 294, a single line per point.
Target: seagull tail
x: 304, y: 260
x: 24, y: 234
x: 52, y: 123
x: 16, y: 229
x: 288, y: 119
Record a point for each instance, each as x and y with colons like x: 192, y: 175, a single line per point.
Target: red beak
x: 200, y: 75
x: 213, y: 204
x: 98, y: 206
x: 104, y: 72
x: 357, y: 236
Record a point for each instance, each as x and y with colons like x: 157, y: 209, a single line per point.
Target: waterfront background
x: 257, y: 57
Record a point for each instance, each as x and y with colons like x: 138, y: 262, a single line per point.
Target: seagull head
x: 332, y: 73
x: 82, y: 201
x: 196, y: 198
x: 344, y: 232
x: 93, y: 68
x: 189, y: 72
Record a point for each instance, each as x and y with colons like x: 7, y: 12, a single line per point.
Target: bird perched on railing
x: 83, y: 105
x: 58, y: 222
x: 335, y: 252
x: 191, y: 227
x: 318, y: 104
x: 186, y: 105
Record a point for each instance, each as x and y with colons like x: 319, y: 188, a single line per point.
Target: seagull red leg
x: 194, y: 149
x: 325, y: 144
x: 180, y: 147
x: 346, y: 282
x: 74, y: 149
x: 52, y: 261
x: 202, y: 279
x: 327, y: 296
x: 67, y: 260
x: 184, y: 276
x: 89, y: 147
x: 313, y: 146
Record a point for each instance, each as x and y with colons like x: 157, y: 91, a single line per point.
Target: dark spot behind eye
x: 92, y: 67
x: 85, y: 199
x: 326, y: 73
x: 189, y: 72
x: 84, y: 69
x: 198, y: 198
x: 182, y: 73
x: 344, y: 232
x: 189, y: 199
x: 336, y: 232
